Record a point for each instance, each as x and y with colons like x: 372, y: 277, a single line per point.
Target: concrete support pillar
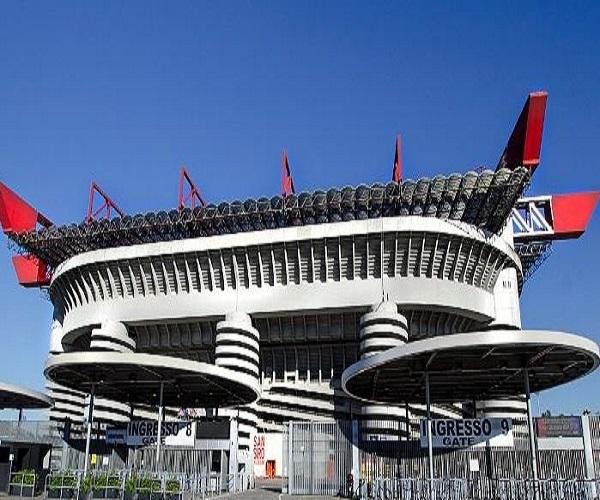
x: 68, y: 404
x: 237, y: 348
x: 111, y: 336
x: 588, y: 454
x: 508, y: 316
x: 381, y: 329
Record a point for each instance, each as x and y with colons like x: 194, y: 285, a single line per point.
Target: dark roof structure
x: 22, y: 398
x: 484, y: 199
x: 467, y: 366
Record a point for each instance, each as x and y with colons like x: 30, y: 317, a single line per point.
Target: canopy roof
x: 136, y: 378
x: 484, y: 199
x: 469, y: 366
x: 18, y: 397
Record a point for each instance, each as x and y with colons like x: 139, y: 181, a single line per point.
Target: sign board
x: 551, y: 427
x: 214, y: 428
x: 473, y: 465
x: 259, y: 449
x: 145, y: 433
x: 94, y: 459
x: 116, y: 435
x: 462, y: 433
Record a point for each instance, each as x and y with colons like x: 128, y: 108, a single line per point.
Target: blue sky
x: 124, y: 92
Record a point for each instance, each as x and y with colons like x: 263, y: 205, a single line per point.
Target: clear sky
x: 124, y: 92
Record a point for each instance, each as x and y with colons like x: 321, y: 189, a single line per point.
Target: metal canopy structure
x: 136, y: 378
x: 16, y: 397
x: 464, y: 367
x: 483, y: 199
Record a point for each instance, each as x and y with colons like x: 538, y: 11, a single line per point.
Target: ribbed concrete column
x: 237, y: 344
x: 68, y: 404
x: 237, y: 348
x: 381, y: 329
x: 247, y: 419
x: 111, y: 336
x: 508, y: 315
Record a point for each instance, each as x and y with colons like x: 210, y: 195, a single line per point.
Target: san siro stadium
x: 276, y: 298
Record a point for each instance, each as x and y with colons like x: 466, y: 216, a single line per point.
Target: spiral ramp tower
x: 508, y: 316
x: 111, y: 336
x: 380, y: 329
x: 237, y: 348
x: 69, y: 405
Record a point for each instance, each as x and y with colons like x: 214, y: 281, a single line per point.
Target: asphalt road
x: 270, y: 489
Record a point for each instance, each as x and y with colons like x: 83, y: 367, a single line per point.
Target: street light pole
x: 160, y: 419
x: 429, y: 437
x: 88, y: 437
x: 534, y: 469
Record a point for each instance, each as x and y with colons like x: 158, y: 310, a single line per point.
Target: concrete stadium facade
x: 304, y: 290
x: 288, y: 293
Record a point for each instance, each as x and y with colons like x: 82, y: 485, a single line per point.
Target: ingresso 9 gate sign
x: 449, y: 433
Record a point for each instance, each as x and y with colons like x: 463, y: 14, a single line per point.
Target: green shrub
x: 25, y: 477
x: 148, y: 483
x: 113, y: 480
x: 101, y: 480
x: 86, y: 485
x: 172, y: 486
x: 66, y: 480
x: 131, y: 483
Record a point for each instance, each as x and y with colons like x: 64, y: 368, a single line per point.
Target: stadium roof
x: 19, y: 397
x: 484, y: 199
x: 478, y: 365
x: 136, y: 377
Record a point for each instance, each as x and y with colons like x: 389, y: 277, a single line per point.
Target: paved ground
x: 270, y: 489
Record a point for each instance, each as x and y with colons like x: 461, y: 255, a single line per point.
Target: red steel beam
x: 397, y: 168
x: 287, y: 182
x: 525, y: 142
x: 32, y: 272
x: 571, y: 213
x: 16, y: 215
x: 193, y: 195
x: 106, y: 206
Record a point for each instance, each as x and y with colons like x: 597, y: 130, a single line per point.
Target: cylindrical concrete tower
x: 237, y: 348
x: 381, y: 329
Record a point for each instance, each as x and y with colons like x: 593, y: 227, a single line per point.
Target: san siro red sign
x: 259, y: 449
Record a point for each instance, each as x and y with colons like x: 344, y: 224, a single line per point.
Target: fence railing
x: 128, y: 483
x: 465, y: 489
x: 23, y: 483
x: 32, y: 431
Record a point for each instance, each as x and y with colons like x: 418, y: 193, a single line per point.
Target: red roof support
x: 571, y: 213
x: 397, y: 169
x: 525, y: 142
x: 287, y: 182
x: 106, y: 206
x: 16, y: 215
x: 193, y: 195
x: 31, y: 271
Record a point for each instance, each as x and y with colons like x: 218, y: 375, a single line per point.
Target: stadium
x: 303, y: 308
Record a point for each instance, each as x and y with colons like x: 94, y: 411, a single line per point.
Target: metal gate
x: 317, y: 457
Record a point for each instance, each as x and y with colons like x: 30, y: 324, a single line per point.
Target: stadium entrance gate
x: 331, y: 458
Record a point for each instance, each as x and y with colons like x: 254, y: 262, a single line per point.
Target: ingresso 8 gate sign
x: 451, y: 433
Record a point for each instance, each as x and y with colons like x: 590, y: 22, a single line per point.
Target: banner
x: 259, y: 449
x: 145, y: 433
x: 454, y: 433
x: 549, y: 427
